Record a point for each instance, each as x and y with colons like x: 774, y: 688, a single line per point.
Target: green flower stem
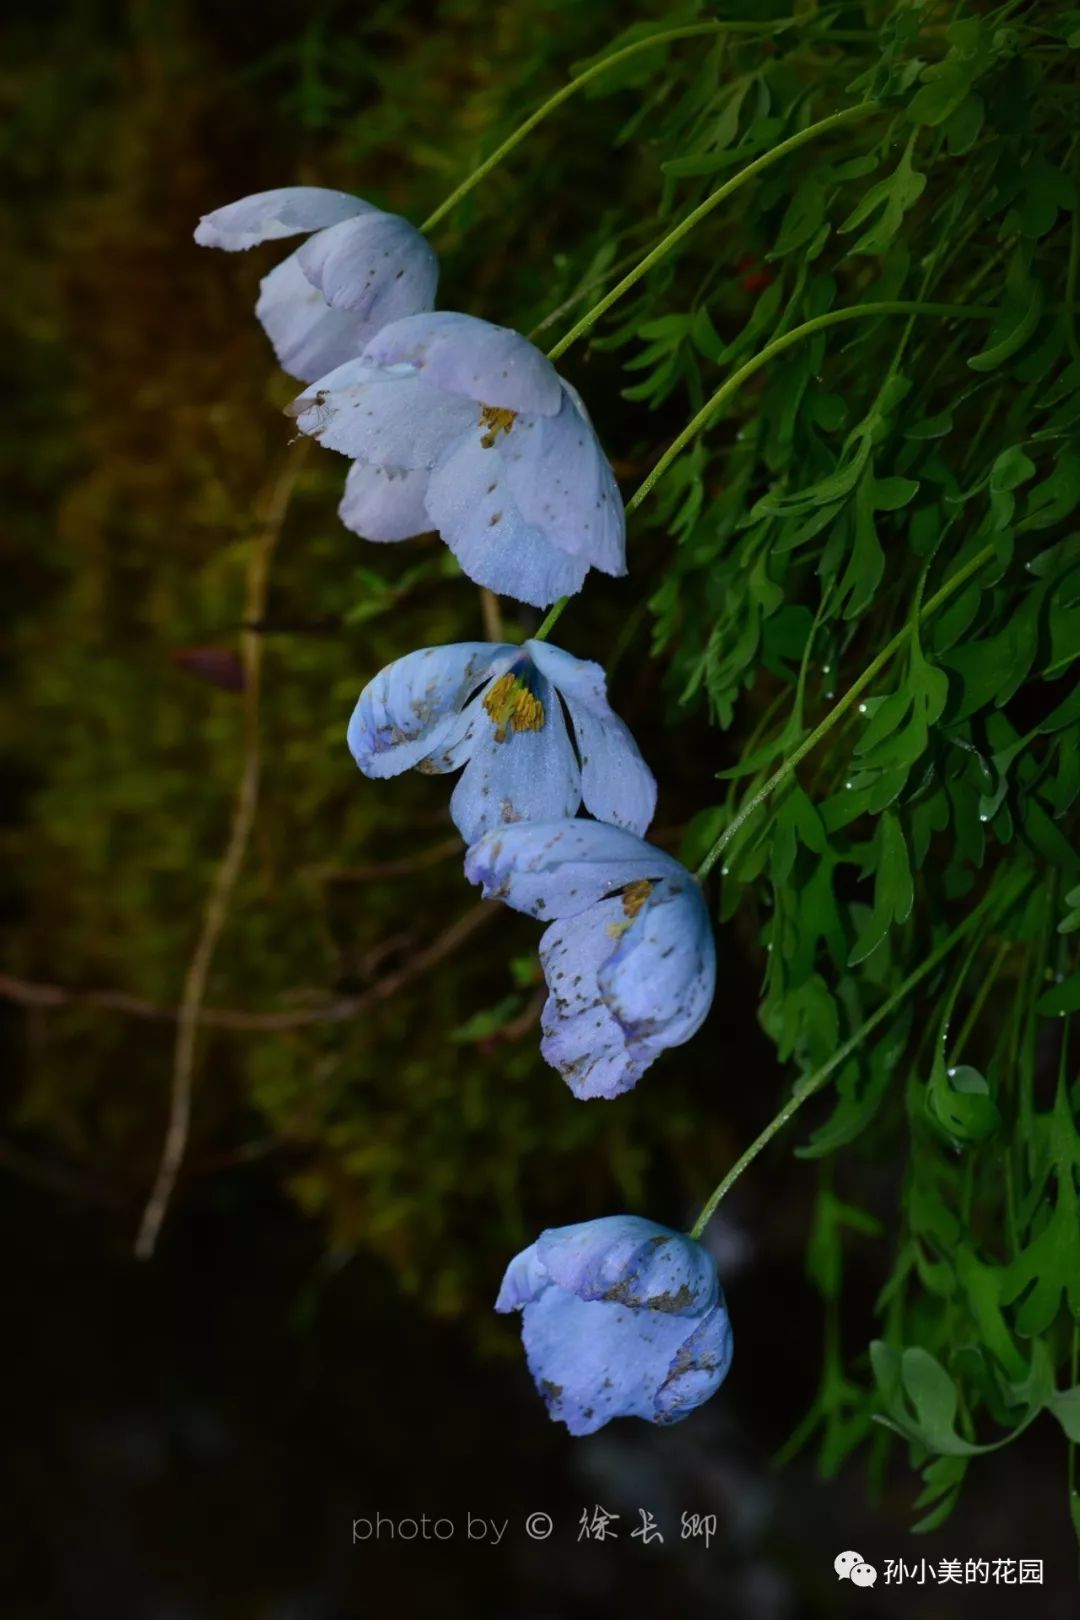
x: 787, y: 340
x: 732, y: 384
x: 715, y: 198
x: 839, y: 709
x: 814, y: 1083
x: 551, y: 619
x: 689, y: 31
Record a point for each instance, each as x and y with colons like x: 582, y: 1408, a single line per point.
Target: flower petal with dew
x: 359, y: 271
x: 629, y: 957
x: 502, y: 712
x: 621, y: 1317
x: 516, y: 482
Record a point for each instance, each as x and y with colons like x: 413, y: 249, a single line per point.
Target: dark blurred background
x: 192, y: 1439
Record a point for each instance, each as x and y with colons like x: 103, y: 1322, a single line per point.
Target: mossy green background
x: 150, y: 427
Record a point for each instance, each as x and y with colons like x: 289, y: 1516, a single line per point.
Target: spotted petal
x: 309, y: 337
x: 385, y: 503
x: 616, y: 783
x: 411, y: 713
x: 629, y: 976
x: 582, y: 1038
x: 659, y: 980
x: 631, y: 1261
x: 562, y: 483
x: 698, y: 1367
x: 593, y: 1361
x: 473, y: 508
x: 377, y: 265
x: 467, y: 356
x: 591, y: 1052
x: 384, y: 419
x: 559, y: 868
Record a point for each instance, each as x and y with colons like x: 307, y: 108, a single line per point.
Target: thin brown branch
x: 491, y: 614
x: 32, y: 993
x: 402, y: 867
x: 520, y: 1026
x: 221, y: 893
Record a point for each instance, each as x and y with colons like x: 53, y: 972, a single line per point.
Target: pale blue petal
x: 659, y: 980
x: 385, y: 503
x: 572, y: 952
x: 562, y: 484
x: 470, y: 504
x: 628, y: 1260
x: 378, y: 266
x: 629, y: 977
x: 698, y: 1367
x: 268, y: 215
x: 616, y: 783
x: 309, y: 337
x: 593, y: 1361
x: 529, y: 776
x: 591, y: 1052
x: 559, y: 868
x: 412, y: 710
x: 385, y: 419
x: 465, y: 355
x: 581, y: 1038
x: 525, y: 1279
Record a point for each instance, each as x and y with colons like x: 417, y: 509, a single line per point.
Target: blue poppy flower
x: 498, y: 710
x: 629, y: 956
x: 360, y: 270
x: 620, y: 1318
x: 461, y: 426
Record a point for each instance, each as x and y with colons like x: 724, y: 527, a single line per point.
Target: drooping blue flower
x: 498, y: 710
x: 620, y: 1318
x: 461, y: 426
x: 628, y: 957
x: 360, y: 270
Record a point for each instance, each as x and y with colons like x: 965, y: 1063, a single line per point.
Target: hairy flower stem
x: 839, y: 709
x: 688, y: 31
x: 713, y: 200
x: 732, y: 384
x: 672, y: 239
x: 993, y: 900
x: 787, y: 340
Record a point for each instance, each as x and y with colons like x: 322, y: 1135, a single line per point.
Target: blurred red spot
x: 755, y: 278
x: 219, y: 666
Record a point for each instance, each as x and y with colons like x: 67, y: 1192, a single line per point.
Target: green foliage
x: 895, y: 495
x: 863, y: 474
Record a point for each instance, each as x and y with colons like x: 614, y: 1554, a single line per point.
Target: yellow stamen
x: 635, y: 895
x: 513, y: 707
x: 497, y: 420
x: 633, y: 898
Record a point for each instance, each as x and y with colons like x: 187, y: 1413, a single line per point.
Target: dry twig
x: 217, y: 908
x: 33, y: 993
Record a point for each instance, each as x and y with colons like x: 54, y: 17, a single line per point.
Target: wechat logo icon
x: 851, y: 1566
